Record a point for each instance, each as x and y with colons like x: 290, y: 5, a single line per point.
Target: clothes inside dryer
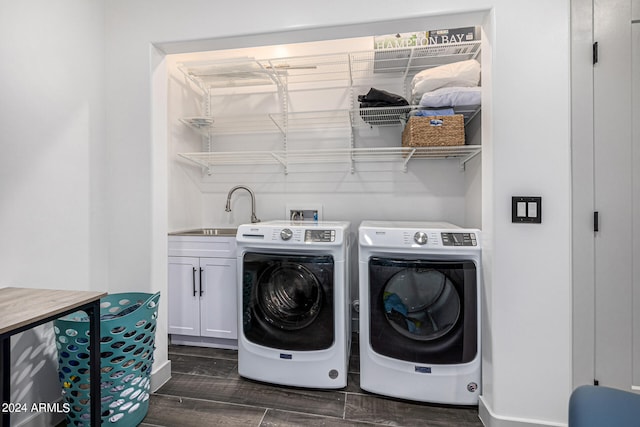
x: 421, y: 304
x: 288, y: 300
x: 423, y: 311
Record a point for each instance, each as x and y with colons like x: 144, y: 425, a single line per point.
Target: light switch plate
x: 526, y: 209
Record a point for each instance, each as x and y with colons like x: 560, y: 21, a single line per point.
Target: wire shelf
x: 348, y: 68
x: 240, y: 72
x: 342, y: 70
x: 332, y: 155
x: 310, y: 120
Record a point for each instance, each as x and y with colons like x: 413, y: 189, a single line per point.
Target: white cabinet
x: 184, y: 301
x: 218, y: 298
x: 202, y: 291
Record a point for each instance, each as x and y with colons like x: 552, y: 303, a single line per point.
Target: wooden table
x: 23, y: 308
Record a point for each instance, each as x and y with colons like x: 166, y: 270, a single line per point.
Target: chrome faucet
x: 254, y: 218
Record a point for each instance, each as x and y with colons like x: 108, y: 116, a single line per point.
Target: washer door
x: 287, y: 300
x: 423, y: 311
x: 288, y: 296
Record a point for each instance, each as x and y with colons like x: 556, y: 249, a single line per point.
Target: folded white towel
x: 458, y: 74
x: 452, y: 97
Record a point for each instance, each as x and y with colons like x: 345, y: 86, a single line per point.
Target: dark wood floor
x: 205, y: 390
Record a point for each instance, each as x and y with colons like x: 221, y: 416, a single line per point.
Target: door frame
x: 590, y: 297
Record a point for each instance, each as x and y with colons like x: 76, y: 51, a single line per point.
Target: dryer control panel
x: 418, y: 236
x: 434, y: 238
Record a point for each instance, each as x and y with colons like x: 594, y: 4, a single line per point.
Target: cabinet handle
x: 201, y: 281
x: 194, y: 281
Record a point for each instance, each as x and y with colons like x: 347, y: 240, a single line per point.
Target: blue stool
x: 598, y: 406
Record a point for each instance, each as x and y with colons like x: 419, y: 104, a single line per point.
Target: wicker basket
x: 434, y: 131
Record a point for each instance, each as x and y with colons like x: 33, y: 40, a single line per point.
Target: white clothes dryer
x: 293, y: 294
x: 420, y: 294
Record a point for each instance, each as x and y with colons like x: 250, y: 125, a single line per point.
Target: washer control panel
x: 286, y: 234
x: 459, y: 239
x: 302, y: 235
x: 316, y: 235
x: 295, y: 233
x: 420, y: 238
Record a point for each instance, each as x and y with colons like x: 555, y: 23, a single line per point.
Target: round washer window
x: 421, y: 304
x: 289, y: 296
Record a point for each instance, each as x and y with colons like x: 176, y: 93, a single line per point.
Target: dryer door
x: 423, y: 311
x: 287, y: 300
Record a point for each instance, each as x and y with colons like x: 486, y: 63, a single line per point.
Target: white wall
x: 527, y: 276
x: 529, y: 282
x: 52, y: 120
x: 52, y: 195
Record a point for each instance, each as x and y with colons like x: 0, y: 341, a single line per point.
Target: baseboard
x: 160, y: 375
x: 491, y: 419
x: 204, y: 341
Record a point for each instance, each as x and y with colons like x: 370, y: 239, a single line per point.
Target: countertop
x: 23, y: 306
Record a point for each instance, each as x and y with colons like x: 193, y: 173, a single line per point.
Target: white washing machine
x: 293, y: 296
x: 420, y: 294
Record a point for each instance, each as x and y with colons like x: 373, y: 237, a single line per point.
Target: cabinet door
x: 184, y: 306
x: 218, y: 304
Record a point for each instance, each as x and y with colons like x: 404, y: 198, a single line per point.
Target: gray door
x: 635, y: 48
x: 616, y: 195
x: 613, y: 195
x: 606, y: 167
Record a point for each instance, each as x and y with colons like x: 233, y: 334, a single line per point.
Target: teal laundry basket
x: 127, y: 325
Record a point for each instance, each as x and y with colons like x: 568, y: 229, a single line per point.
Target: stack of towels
x: 449, y: 85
